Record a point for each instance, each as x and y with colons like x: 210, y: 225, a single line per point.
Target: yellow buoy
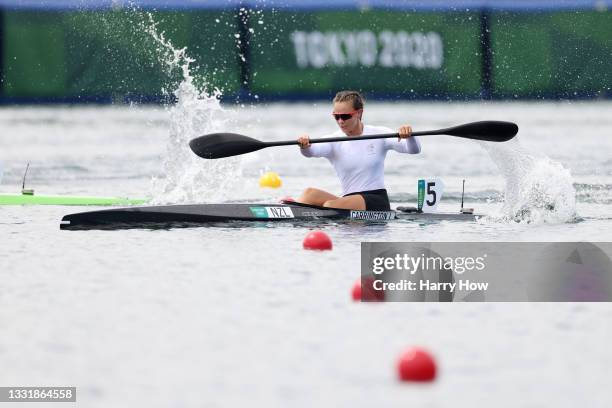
x: 270, y: 179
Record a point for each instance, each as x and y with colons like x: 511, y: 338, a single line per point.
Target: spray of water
x: 538, y: 189
x: 187, y: 178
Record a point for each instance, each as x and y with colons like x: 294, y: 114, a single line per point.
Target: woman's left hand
x: 405, y: 131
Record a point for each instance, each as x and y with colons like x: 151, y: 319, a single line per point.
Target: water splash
x: 538, y: 189
x: 596, y: 193
x: 188, y: 178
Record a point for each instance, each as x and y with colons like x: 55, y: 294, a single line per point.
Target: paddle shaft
x: 350, y: 138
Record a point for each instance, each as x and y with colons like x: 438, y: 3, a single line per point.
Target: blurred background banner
x: 392, y: 53
x: 86, y: 50
x: 107, y: 54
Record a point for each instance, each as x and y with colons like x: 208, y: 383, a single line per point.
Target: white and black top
x: 360, y: 164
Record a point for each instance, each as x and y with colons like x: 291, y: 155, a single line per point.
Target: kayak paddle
x: 217, y: 145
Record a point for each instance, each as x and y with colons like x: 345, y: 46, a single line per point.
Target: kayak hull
x: 208, y: 214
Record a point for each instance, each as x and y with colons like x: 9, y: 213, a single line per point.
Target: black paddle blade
x: 218, y: 145
x: 489, y: 130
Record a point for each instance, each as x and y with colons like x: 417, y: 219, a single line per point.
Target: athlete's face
x: 347, y: 117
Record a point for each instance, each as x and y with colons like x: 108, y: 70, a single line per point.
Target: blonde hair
x: 350, y: 96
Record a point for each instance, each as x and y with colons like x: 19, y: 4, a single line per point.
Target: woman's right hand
x: 304, y: 141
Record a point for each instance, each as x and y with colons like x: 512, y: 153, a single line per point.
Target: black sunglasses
x: 344, y: 116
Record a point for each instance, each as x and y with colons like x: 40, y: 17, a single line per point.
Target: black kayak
x: 188, y: 215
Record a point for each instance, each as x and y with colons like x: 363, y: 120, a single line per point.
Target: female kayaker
x: 359, y: 164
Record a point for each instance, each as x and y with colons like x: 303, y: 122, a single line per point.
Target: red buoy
x: 317, y: 240
x: 416, y: 364
x: 356, y: 291
x: 363, y: 290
